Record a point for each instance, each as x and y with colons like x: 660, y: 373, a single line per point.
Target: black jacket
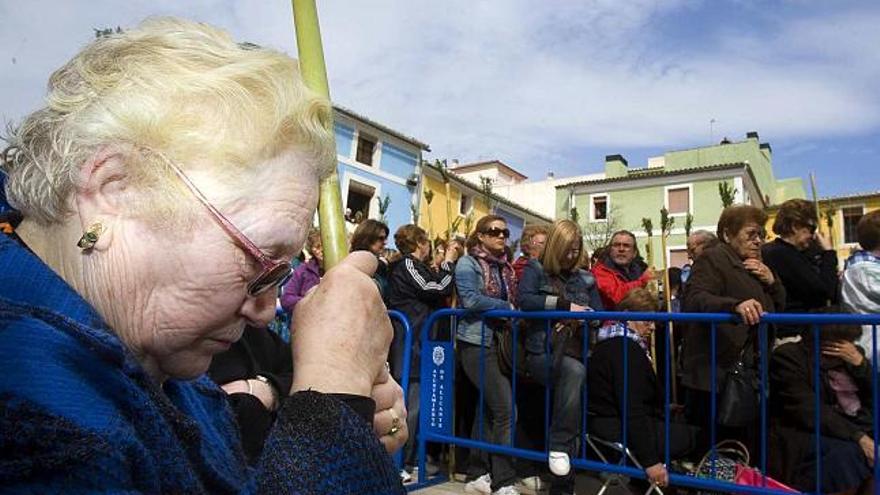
x: 718, y: 283
x: 417, y: 291
x: 643, y: 402
x: 809, y: 277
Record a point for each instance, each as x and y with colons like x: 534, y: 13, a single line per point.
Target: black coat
x: 809, y: 277
x: 417, y: 291
x: 718, y: 283
x: 792, y: 406
x: 643, y: 403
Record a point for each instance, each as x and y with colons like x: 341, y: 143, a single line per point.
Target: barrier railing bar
x: 624, y: 424
x: 817, y: 412
x: 407, y: 367
x: 667, y: 371
x: 712, y: 319
x: 875, y: 380
x: 549, y: 380
x: 482, y: 415
x: 513, y: 359
x: 712, y: 399
x: 585, y: 401
x: 677, y: 479
x: 762, y: 336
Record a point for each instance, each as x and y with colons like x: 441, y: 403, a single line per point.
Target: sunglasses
x: 496, y: 232
x: 274, y: 274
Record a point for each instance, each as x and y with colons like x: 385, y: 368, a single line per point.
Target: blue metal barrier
x: 436, y: 364
x: 407, y: 365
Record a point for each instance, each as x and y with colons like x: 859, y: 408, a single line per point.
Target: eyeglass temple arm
x: 224, y: 222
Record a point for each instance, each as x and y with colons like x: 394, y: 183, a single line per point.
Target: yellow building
x: 467, y: 203
x: 844, y: 212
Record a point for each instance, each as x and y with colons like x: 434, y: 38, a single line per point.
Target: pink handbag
x: 749, y: 476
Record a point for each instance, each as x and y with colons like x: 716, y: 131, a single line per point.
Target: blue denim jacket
x: 469, y: 282
x: 538, y: 293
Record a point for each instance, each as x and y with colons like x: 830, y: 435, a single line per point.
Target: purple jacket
x: 305, y: 277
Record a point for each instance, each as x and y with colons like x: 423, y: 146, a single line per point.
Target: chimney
x: 753, y: 135
x: 551, y: 175
x: 454, y: 162
x: 615, y: 166
x: 766, y: 148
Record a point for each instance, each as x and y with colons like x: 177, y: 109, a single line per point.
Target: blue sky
x: 550, y: 86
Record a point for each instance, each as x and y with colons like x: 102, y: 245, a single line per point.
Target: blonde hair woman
x: 163, y: 187
x: 554, y: 282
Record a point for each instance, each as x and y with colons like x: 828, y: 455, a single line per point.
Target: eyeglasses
x: 496, y: 232
x: 756, y: 235
x: 274, y: 272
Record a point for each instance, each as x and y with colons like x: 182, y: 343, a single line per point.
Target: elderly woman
x: 170, y: 176
x: 644, y: 420
x: 485, y: 281
x: 306, y: 275
x: 803, y: 260
x: 554, y: 282
x: 727, y: 278
x: 845, y: 415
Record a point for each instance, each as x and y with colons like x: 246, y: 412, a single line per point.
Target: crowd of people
x: 124, y: 289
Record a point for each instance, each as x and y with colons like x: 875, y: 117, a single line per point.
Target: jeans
x: 497, y: 415
x: 567, y: 387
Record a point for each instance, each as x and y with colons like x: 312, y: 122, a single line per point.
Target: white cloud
x: 525, y: 81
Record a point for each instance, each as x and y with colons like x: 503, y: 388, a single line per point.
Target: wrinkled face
x: 185, y: 298
x: 536, y: 245
x: 748, y: 241
x: 623, y: 249
x: 494, y: 237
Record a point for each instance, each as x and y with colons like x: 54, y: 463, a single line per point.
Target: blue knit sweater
x: 79, y: 414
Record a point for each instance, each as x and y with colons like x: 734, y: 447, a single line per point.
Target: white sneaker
x: 506, y: 490
x: 559, y: 463
x: 483, y: 485
x: 405, y: 476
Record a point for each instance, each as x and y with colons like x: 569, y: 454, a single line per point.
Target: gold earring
x: 90, y: 236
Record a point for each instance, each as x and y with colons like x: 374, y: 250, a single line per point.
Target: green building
x: 685, y: 181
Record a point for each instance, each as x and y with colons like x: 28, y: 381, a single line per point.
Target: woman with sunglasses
x: 372, y: 235
x: 163, y: 187
x: 802, y: 258
x: 485, y: 281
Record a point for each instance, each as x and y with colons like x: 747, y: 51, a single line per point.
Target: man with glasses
x: 621, y: 269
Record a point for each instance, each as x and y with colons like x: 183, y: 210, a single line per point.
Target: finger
x: 384, y: 374
x: 387, y: 395
x: 362, y: 261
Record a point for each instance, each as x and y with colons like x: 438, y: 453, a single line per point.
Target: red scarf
x: 490, y: 283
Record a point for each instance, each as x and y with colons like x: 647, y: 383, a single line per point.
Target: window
x: 678, y: 257
x: 465, y: 205
x: 678, y: 200
x: 851, y: 217
x: 359, y: 198
x: 365, y: 148
x: 599, y: 208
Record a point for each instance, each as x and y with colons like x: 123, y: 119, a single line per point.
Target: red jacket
x: 613, y: 286
x: 519, y: 265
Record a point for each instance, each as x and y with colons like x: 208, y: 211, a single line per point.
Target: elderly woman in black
x: 644, y: 420
x: 727, y: 278
x: 845, y: 416
x: 803, y: 260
